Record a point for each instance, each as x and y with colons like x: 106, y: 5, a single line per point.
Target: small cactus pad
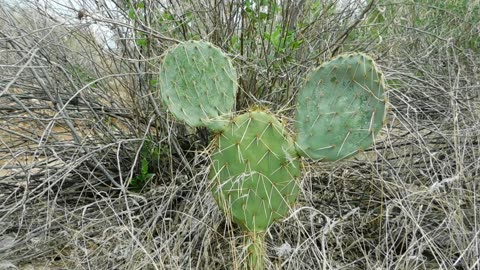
x: 255, y: 171
x: 340, y: 108
x: 198, y: 84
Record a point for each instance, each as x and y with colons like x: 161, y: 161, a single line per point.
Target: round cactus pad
x: 198, y: 84
x: 340, y: 108
x: 255, y: 171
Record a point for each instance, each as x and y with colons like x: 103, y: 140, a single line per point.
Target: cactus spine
x: 256, y: 168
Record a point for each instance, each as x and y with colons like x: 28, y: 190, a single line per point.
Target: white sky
x: 65, y: 11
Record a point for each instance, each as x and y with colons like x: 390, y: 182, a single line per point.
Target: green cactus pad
x: 340, y: 108
x: 255, y: 171
x: 198, y: 84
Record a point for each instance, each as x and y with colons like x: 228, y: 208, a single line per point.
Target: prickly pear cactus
x: 255, y: 174
x: 340, y: 108
x: 255, y: 171
x: 256, y: 168
x: 198, y: 84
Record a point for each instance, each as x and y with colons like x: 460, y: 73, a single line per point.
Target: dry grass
x: 73, y: 118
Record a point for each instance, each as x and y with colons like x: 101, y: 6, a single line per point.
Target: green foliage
x: 340, y: 108
x: 177, y: 26
x: 148, y: 156
x: 153, y: 83
x: 142, y: 42
x: 136, y: 13
x: 435, y: 16
x: 283, y: 40
x: 134, y: 8
x: 138, y: 182
x: 268, y: 40
x: 255, y: 9
x: 429, y: 20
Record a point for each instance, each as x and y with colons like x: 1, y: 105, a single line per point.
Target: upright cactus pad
x: 255, y: 171
x: 340, y: 108
x: 198, y: 84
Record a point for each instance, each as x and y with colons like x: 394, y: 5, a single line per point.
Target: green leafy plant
x: 140, y: 180
x: 256, y: 165
x: 147, y: 156
x: 282, y: 43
